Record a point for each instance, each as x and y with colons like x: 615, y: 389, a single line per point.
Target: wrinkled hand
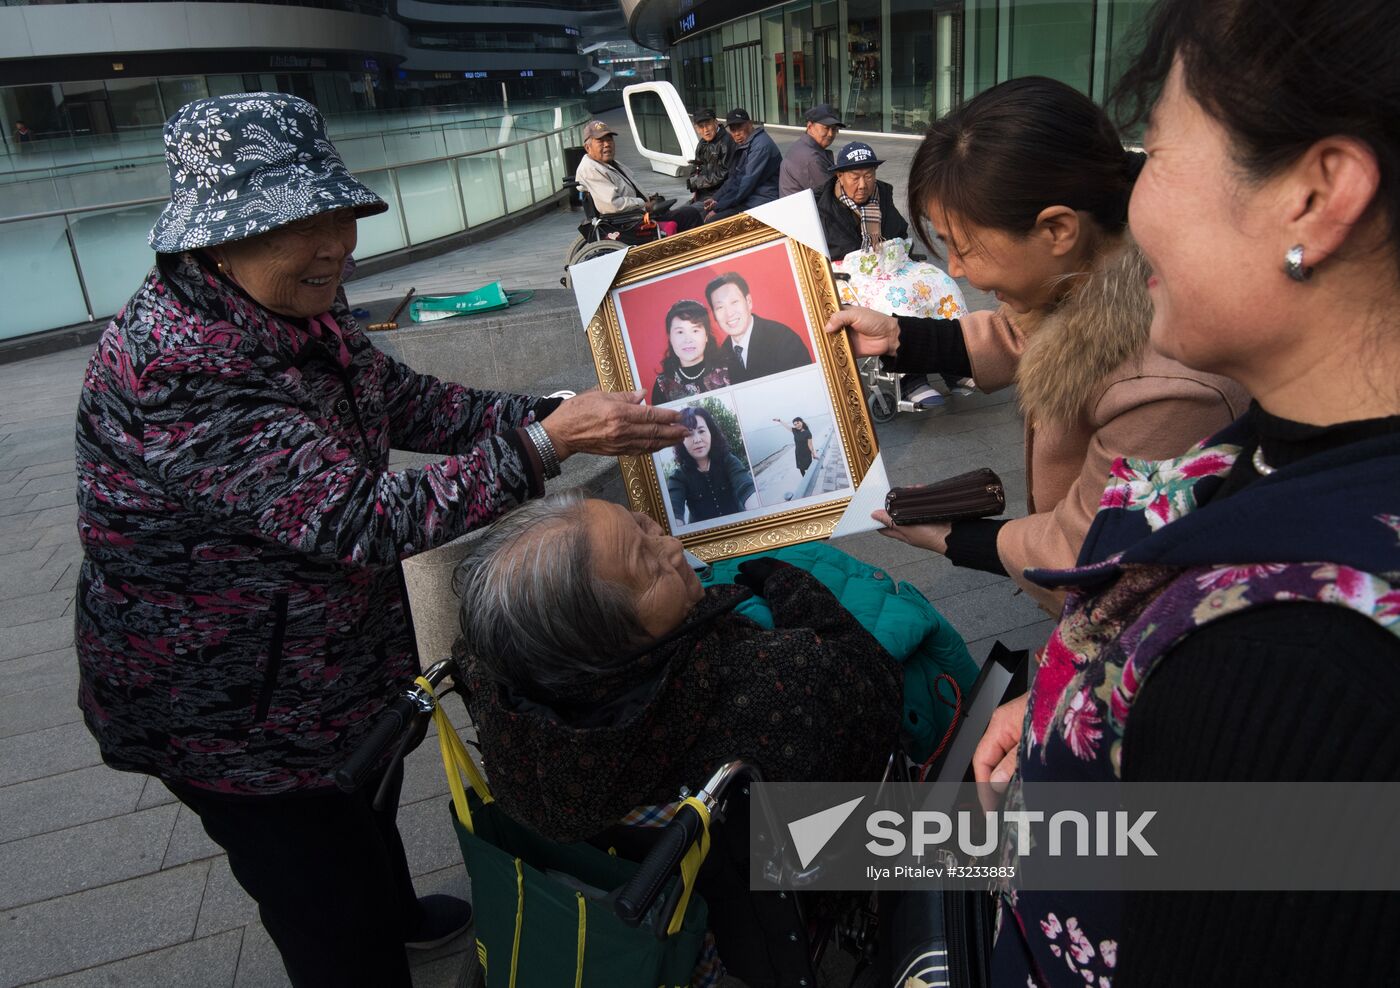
x: 708, y: 206
x: 994, y: 761
x: 932, y: 536
x: 611, y: 424
x: 873, y: 334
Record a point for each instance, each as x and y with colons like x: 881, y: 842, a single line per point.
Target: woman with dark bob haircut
x: 692, y: 364
x: 1235, y: 614
x: 1026, y: 186
x: 710, y: 481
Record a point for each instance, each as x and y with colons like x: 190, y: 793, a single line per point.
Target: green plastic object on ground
x: 488, y: 298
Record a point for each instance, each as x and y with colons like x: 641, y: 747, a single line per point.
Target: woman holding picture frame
x: 1027, y: 187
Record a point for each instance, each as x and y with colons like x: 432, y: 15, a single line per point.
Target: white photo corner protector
x: 793, y: 216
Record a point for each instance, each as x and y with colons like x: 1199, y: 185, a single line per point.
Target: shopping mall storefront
x: 887, y: 65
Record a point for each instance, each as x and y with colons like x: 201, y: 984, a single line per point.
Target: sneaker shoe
x: 925, y: 397
x: 964, y: 387
x: 445, y: 918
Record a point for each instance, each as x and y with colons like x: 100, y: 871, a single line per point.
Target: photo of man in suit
x: 754, y: 347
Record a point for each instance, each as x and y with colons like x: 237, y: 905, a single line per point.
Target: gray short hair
x: 532, y: 611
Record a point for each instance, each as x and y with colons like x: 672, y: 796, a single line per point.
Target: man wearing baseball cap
x: 858, y: 211
x: 808, y: 162
x: 612, y: 185
x: 753, y: 175
x: 713, y: 155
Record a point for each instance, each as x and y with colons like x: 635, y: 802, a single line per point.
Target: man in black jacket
x: 754, y: 347
x: 857, y: 210
x: 713, y: 156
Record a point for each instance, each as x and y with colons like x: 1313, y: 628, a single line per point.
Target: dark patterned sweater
x: 240, y: 617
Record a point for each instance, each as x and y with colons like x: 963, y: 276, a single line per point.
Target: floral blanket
x: 888, y: 280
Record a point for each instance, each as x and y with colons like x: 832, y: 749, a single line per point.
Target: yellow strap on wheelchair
x: 456, y: 761
x: 519, y: 920
x: 690, y: 864
x: 582, y: 939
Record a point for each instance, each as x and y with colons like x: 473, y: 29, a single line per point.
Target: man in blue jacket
x: 753, y: 173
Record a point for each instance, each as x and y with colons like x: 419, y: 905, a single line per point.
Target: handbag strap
x: 457, y: 762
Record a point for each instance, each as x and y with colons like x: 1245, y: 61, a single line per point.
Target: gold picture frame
x: 734, y: 244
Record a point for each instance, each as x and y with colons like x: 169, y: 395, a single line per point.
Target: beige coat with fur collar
x: 1092, y: 390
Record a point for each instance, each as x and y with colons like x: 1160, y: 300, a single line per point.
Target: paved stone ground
x: 104, y: 878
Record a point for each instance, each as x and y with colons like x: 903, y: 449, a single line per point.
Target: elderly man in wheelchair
x: 604, y: 677
x: 617, y: 212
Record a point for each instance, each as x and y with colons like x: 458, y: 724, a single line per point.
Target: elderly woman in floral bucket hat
x: 241, y: 618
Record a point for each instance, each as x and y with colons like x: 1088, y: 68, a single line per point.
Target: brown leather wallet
x: 975, y: 494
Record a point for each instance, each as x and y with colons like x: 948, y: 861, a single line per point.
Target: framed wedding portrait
x: 724, y: 324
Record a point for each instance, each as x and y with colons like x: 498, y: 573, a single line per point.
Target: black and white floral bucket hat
x: 248, y: 163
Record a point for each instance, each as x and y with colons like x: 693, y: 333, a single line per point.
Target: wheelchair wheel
x: 589, y: 251
x: 882, y: 405
x: 579, y: 243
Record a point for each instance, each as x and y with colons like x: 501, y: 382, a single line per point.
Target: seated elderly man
x: 858, y: 214
x: 612, y: 186
x: 603, y: 676
x: 857, y: 209
x: 808, y: 162
x: 753, y: 171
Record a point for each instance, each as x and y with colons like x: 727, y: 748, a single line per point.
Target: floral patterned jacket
x: 1159, y: 562
x: 240, y: 613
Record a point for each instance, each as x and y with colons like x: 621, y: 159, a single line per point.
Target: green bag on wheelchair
x: 488, y: 298
x: 541, y: 919
x: 542, y: 916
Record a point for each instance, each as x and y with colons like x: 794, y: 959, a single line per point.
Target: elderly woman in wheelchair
x: 602, y: 676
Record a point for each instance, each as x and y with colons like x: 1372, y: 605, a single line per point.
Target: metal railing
x: 74, y: 264
x: 61, y: 153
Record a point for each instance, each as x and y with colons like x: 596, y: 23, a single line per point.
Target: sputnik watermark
x: 1172, y: 836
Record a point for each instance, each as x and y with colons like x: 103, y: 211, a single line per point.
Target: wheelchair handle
x: 413, y: 705
x: 639, y: 894
x: 636, y: 898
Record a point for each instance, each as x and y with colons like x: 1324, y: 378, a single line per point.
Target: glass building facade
x: 895, y: 65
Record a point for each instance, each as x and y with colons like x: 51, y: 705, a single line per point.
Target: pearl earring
x: 1293, y: 264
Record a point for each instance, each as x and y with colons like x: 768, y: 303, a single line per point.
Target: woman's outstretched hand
x: 994, y: 761
x: 932, y: 536
x: 611, y: 424
x: 873, y: 334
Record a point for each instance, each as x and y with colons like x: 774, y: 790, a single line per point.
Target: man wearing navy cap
x: 753, y: 174
x: 856, y: 209
x: 807, y: 164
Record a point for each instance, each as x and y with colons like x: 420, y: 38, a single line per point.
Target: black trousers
x: 685, y: 217
x: 330, y: 878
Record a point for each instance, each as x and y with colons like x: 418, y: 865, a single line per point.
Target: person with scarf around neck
x: 693, y: 363
x: 1026, y: 186
x: 1234, y: 615
x: 857, y: 210
x: 241, y: 619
